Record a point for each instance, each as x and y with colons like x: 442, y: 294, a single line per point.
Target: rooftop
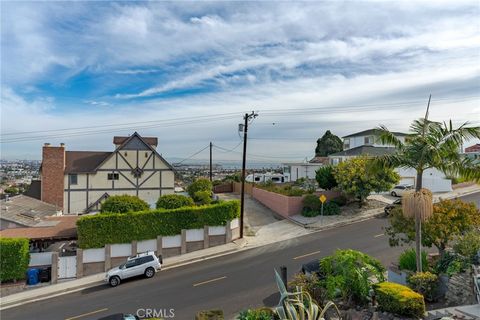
x: 62, y: 227
x: 370, y: 132
x: 364, y: 150
x: 26, y: 211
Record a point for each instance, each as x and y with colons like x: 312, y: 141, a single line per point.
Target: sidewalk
x: 270, y: 233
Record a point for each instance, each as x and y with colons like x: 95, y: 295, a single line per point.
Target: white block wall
x: 40, y: 259
x: 94, y: 255
x: 172, y: 241
x: 194, y: 235
x: 235, y: 223
x: 216, y: 231
x: 147, y: 245
x: 121, y: 250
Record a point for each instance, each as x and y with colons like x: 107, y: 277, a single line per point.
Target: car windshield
x: 122, y: 266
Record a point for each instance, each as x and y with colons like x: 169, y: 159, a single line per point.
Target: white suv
x: 145, y: 263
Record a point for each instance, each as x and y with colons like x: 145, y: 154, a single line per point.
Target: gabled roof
x: 84, y: 161
x: 371, y: 132
x: 152, y: 141
x: 364, y: 150
x: 474, y: 148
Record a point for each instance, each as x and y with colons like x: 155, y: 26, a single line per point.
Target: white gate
x: 67, y: 267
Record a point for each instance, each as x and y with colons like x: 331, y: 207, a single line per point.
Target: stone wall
x: 460, y: 289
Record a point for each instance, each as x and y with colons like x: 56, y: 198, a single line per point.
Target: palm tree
x: 430, y: 145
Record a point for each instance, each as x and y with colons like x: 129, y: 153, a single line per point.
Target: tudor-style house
x: 78, y: 181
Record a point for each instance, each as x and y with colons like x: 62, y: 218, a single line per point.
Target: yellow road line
x: 378, y: 235
x: 306, y: 255
x: 208, y: 281
x: 87, y: 314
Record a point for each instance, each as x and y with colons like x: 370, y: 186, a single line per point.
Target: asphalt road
x: 232, y: 283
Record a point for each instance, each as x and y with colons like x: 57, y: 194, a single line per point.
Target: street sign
x: 323, y: 198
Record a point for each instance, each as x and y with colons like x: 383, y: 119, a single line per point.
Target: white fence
x: 40, y: 259
x: 172, y: 241
x: 147, y: 245
x: 93, y: 255
x: 121, y: 250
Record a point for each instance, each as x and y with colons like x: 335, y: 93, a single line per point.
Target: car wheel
x: 149, y: 272
x: 114, y: 281
x: 393, y: 194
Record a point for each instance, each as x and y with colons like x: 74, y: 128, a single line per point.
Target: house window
x: 73, y: 179
x: 112, y: 176
x: 346, y: 144
x: 146, y: 154
x: 369, y: 140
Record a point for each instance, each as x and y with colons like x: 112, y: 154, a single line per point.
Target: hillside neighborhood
x: 240, y: 160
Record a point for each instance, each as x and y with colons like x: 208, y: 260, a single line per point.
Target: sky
x: 186, y: 72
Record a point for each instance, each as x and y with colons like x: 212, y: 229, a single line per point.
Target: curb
x: 240, y: 243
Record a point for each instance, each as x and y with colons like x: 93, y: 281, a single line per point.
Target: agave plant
x: 299, y: 305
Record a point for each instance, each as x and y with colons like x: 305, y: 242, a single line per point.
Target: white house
x: 366, y: 143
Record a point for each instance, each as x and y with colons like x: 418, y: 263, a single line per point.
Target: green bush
x: 340, y: 200
x: 451, y: 263
x: 123, y: 204
x: 209, y: 315
x: 311, y: 203
x: 325, y: 178
x: 425, y: 283
x: 14, y: 258
x: 174, y: 201
x: 310, y: 284
x: 203, y: 197
x: 468, y: 245
x: 408, y: 260
x: 398, y: 299
x: 97, y: 230
x: 200, y: 184
x: 256, y: 314
x: 331, y: 209
x: 350, y: 273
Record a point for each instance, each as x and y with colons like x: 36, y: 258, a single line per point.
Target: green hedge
x: 398, y: 299
x: 97, y: 230
x: 14, y: 258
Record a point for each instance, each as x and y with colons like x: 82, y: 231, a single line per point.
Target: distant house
x: 296, y: 170
x: 473, y: 152
x: 367, y: 143
x: 78, y: 181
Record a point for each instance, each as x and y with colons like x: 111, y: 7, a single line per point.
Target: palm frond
x: 385, y: 136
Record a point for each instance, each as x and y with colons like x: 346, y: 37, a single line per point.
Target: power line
x: 191, y: 156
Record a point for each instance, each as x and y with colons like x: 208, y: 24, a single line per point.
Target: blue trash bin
x: 32, y: 276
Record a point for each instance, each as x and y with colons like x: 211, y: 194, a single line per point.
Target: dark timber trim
x: 88, y: 183
x: 128, y: 164
x: 120, y: 189
x: 133, y: 184
x: 151, y: 174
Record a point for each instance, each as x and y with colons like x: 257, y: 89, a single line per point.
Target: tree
x: 124, y: 204
x: 430, y: 145
x: 355, y: 178
x: 12, y: 191
x: 200, y: 184
x: 325, y: 178
x: 450, y: 219
x: 328, y: 144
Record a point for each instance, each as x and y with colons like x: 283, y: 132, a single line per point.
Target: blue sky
x: 98, y: 64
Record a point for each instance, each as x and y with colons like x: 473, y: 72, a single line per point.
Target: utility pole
x: 211, y: 174
x: 246, y: 118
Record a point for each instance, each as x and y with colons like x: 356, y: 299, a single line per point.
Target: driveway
x: 256, y: 214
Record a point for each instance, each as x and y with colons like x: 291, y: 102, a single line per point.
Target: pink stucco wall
x: 284, y: 205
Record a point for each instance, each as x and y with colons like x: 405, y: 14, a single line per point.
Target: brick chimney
x: 52, y: 176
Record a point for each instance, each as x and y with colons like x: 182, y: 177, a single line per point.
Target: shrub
x: 201, y: 184
x: 310, y: 284
x: 97, y: 230
x: 468, y: 245
x: 325, y: 178
x: 209, y: 315
x: 311, y: 203
x: 123, y: 204
x: 451, y: 263
x: 256, y: 314
x: 14, y: 258
x: 203, y: 197
x: 408, y: 260
x: 285, y: 190
x: 398, y: 299
x: 331, y: 209
x: 424, y: 283
x: 174, y: 201
x: 340, y: 200
x: 352, y: 273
